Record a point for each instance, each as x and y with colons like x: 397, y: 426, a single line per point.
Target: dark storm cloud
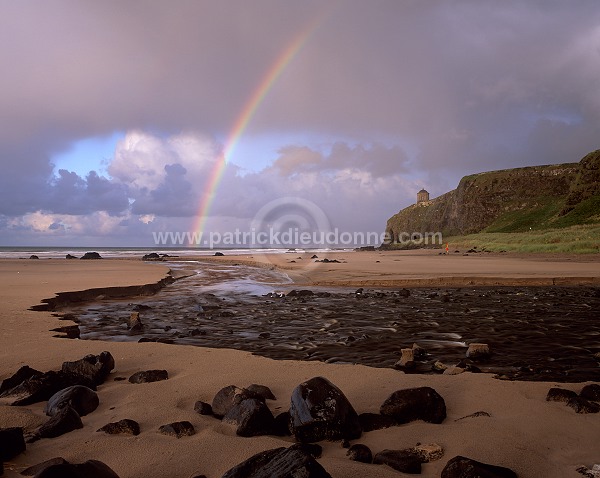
x: 449, y: 88
x: 71, y: 194
x: 376, y: 159
x: 174, y: 197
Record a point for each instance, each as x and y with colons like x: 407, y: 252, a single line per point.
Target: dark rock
x: 314, y: 256
x: 24, y: 373
x: 148, y: 376
x: 312, y: 449
x: 153, y: 256
x: 70, y: 331
x: 279, y: 463
x: 91, y: 255
x: 33, y: 256
x: 581, y: 405
x: 140, y: 307
x: 319, y: 410
x: 410, y: 404
x: 359, y: 452
x: 35, y: 469
x: 300, y: 293
x: 69, y: 256
x: 419, y: 352
x: 251, y: 417
x: 82, y: 399
x: 125, y: 426
x: 560, y: 395
x: 64, y: 421
x: 375, y: 421
x: 219, y: 254
x: 41, y: 387
x: 281, y: 426
x: 474, y: 415
x: 400, y: 460
x: 591, y: 392
x: 461, y: 467
x: 468, y: 367
x: 227, y: 398
x: 89, y: 469
x: 92, y: 367
x: 404, y: 293
x: 12, y: 443
x: 178, y: 429
x: 262, y: 391
x: 203, y: 408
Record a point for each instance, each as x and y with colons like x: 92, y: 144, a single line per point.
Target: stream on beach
x: 534, y: 333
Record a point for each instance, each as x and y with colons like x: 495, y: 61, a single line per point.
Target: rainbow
x: 243, y: 119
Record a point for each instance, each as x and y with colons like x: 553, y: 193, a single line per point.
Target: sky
x: 121, y: 120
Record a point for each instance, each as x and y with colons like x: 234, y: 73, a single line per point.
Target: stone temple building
x: 422, y: 196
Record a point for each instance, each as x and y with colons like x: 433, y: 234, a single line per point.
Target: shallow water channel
x: 535, y: 333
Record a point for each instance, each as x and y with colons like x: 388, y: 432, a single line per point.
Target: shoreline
x: 526, y: 433
x: 425, y: 268
x: 302, y: 278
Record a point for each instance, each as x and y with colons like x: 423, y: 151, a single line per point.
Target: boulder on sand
x: 319, y: 410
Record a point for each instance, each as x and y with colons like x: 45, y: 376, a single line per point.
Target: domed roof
x: 422, y: 191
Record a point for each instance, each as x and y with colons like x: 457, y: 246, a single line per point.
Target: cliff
x: 510, y: 200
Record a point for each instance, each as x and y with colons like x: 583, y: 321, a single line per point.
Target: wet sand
x: 526, y: 433
x: 427, y: 267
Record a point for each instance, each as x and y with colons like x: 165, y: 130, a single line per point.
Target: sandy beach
x: 524, y: 432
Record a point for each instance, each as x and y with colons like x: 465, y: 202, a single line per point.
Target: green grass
x: 582, y: 239
x: 533, y: 216
x: 544, y: 214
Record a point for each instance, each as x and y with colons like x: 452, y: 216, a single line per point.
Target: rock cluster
x: 29, y: 386
x: 71, y: 394
x: 318, y: 411
x: 586, y: 402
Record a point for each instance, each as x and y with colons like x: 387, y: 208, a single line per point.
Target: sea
x: 25, y: 252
